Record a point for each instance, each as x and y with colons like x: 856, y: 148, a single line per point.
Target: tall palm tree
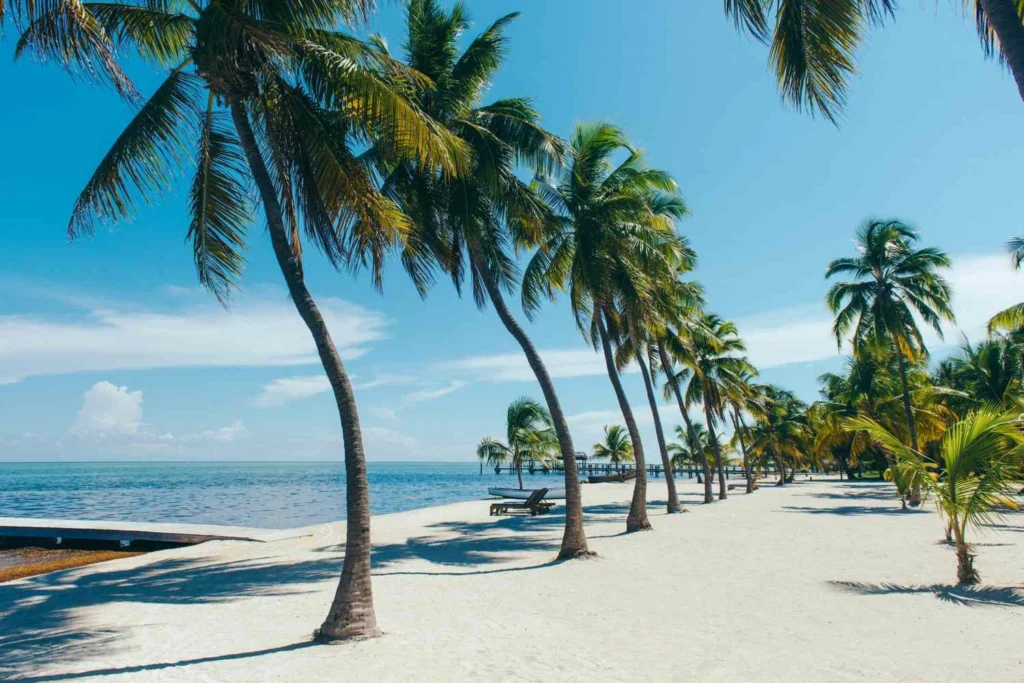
x: 979, y: 464
x: 892, y: 280
x: 610, y: 244
x: 269, y: 95
x: 616, y: 446
x: 645, y: 325
x: 679, y: 343
x: 814, y: 42
x: 469, y: 224
x: 713, y: 368
x: 1012, y: 318
x: 529, y: 436
x: 741, y: 397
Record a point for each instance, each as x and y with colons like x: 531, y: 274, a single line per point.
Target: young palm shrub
x: 615, y: 448
x: 892, y: 281
x: 265, y: 94
x: 529, y: 437
x: 978, y: 463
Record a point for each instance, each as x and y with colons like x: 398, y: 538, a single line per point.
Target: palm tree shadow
x: 964, y: 595
x: 40, y: 623
x: 853, y: 510
x: 158, y: 666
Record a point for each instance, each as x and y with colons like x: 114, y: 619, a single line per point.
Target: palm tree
x: 616, y: 446
x: 469, y: 223
x: 781, y: 430
x: 271, y: 96
x: 740, y: 396
x: 989, y: 372
x: 891, y: 282
x: 681, y: 340
x: 979, y: 462
x: 813, y: 42
x: 713, y: 370
x: 611, y: 244
x: 529, y: 436
x: 646, y: 324
x: 1012, y: 318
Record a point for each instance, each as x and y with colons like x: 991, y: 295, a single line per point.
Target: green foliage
x: 616, y: 446
x: 529, y: 436
x: 973, y: 475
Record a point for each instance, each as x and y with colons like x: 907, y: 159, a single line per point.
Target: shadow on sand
x: 966, y: 596
x: 38, y: 622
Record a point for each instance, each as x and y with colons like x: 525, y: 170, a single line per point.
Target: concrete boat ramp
x: 126, y: 534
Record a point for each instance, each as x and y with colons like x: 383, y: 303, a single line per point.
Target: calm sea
x: 257, y: 494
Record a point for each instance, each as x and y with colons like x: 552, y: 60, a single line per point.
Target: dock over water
x: 126, y: 534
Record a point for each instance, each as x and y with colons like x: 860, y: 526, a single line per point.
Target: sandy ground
x: 818, y: 581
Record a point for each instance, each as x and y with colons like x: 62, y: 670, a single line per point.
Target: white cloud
x: 982, y: 285
x: 423, y: 395
x: 287, y: 389
x: 382, y: 437
x: 512, y: 367
x: 108, y: 410
x: 253, y: 332
x: 232, y: 432
x: 382, y: 412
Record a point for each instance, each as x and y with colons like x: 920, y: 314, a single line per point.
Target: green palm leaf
x: 219, y: 206
x: 143, y: 158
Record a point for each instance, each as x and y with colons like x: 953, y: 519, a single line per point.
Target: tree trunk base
x: 640, y: 525
x: 965, y: 572
x: 582, y: 554
x: 351, y: 633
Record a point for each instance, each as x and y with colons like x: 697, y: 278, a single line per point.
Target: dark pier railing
x: 587, y: 468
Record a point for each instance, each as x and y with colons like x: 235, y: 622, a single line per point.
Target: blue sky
x: 108, y: 349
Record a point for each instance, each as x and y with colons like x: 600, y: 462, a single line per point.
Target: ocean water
x: 256, y: 494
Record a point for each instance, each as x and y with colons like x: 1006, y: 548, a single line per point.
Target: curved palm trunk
x: 737, y: 423
x: 691, y: 435
x: 670, y: 480
x: 915, y: 492
x: 713, y: 438
x: 780, y: 464
x: 1006, y: 21
x: 636, y: 520
x: 574, y: 539
x: 519, y: 473
x: 351, y: 614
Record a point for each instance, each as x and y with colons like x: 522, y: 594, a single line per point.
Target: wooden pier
x: 654, y: 471
x: 59, y: 532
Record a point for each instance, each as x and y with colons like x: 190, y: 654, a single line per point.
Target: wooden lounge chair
x: 535, y: 505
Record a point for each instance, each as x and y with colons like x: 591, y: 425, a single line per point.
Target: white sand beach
x: 817, y: 581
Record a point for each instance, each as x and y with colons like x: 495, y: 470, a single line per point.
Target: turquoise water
x: 258, y: 494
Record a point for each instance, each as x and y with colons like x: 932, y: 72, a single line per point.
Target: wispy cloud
x: 429, y: 394
x: 982, y: 285
x: 285, y: 389
x: 512, y: 367
x: 253, y: 332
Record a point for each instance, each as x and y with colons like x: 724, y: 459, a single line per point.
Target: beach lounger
x: 535, y: 505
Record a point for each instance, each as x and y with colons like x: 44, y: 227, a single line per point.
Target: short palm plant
x: 616, y: 446
x: 262, y: 94
x: 529, y: 437
x: 978, y: 463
